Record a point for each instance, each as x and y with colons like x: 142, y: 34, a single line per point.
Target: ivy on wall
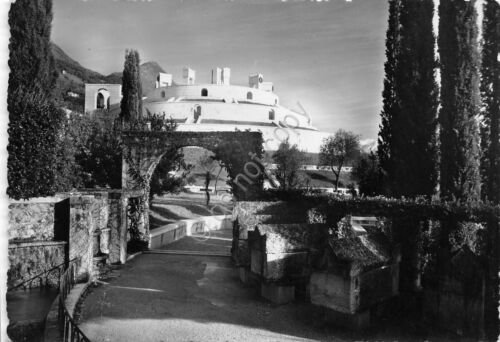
x: 232, y: 149
x: 439, y: 241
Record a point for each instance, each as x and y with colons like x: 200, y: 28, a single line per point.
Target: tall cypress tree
x: 490, y: 93
x: 391, y: 107
x: 410, y: 164
x: 34, y: 121
x: 459, y: 131
x: 32, y: 66
x: 131, y: 104
x: 414, y: 135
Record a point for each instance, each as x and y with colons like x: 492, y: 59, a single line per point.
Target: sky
x: 327, y: 55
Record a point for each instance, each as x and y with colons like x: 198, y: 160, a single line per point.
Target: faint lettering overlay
x: 252, y: 170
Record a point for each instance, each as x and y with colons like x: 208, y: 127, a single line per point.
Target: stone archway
x: 102, y: 97
x: 144, y: 150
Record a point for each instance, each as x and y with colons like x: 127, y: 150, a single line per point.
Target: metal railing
x: 43, y: 277
x: 69, y: 329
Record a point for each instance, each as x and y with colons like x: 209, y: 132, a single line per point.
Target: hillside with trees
x: 69, y: 90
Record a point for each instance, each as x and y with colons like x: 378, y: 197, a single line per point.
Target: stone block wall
x: 32, y: 220
x: 67, y: 226
x: 28, y: 259
x: 80, y: 234
x: 37, y: 238
x: 248, y: 214
x: 117, y: 223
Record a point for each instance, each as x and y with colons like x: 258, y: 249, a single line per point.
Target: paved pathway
x: 213, y: 241
x: 159, y: 297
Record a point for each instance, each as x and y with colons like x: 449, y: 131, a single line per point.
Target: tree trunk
x: 337, y: 176
x: 217, y: 179
x: 207, y: 183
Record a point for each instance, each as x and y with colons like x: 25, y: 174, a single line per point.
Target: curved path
x: 162, y: 297
x: 159, y: 297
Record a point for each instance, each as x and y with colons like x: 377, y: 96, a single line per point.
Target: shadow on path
x: 158, y: 297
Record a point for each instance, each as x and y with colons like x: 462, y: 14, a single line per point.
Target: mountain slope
x: 69, y: 65
x: 70, y: 87
x: 149, y: 72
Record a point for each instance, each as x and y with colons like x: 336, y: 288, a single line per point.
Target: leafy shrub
x: 33, y: 137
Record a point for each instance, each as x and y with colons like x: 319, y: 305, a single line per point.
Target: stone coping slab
x: 53, y: 199
x: 21, y: 244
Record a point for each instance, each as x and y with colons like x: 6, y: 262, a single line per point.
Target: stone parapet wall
x: 281, y: 212
x: 28, y: 259
x: 169, y: 233
x: 32, y: 220
x: 85, y: 223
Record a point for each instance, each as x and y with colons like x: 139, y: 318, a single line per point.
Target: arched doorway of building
x: 100, y: 101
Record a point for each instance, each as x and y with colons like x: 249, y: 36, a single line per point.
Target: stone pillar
x: 80, y: 234
x: 104, y: 243
x: 117, y: 225
x: 123, y: 229
x: 144, y: 227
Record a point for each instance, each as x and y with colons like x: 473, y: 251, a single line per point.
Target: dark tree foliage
x: 33, y: 134
x: 34, y: 121
x: 490, y: 93
x: 408, y: 152
x: 242, y: 161
x: 459, y: 131
x: 31, y: 63
x: 131, y: 103
x: 71, y: 139
x: 100, y: 155
x: 414, y: 136
x: 367, y: 173
x: 289, y: 159
x: 161, y: 181
x: 391, y: 107
x: 173, y: 160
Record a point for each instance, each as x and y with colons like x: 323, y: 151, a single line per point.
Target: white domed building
x: 221, y: 106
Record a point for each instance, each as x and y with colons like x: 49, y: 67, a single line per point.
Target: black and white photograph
x: 250, y: 170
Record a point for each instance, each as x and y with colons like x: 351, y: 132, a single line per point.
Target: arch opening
x: 233, y: 148
x: 100, y: 101
x: 185, y: 183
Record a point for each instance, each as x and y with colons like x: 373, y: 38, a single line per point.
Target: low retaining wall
x: 169, y: 233
x: 33, y: 220
x: 28, y: 259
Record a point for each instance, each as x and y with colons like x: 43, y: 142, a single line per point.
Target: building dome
x: 220, y: 106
